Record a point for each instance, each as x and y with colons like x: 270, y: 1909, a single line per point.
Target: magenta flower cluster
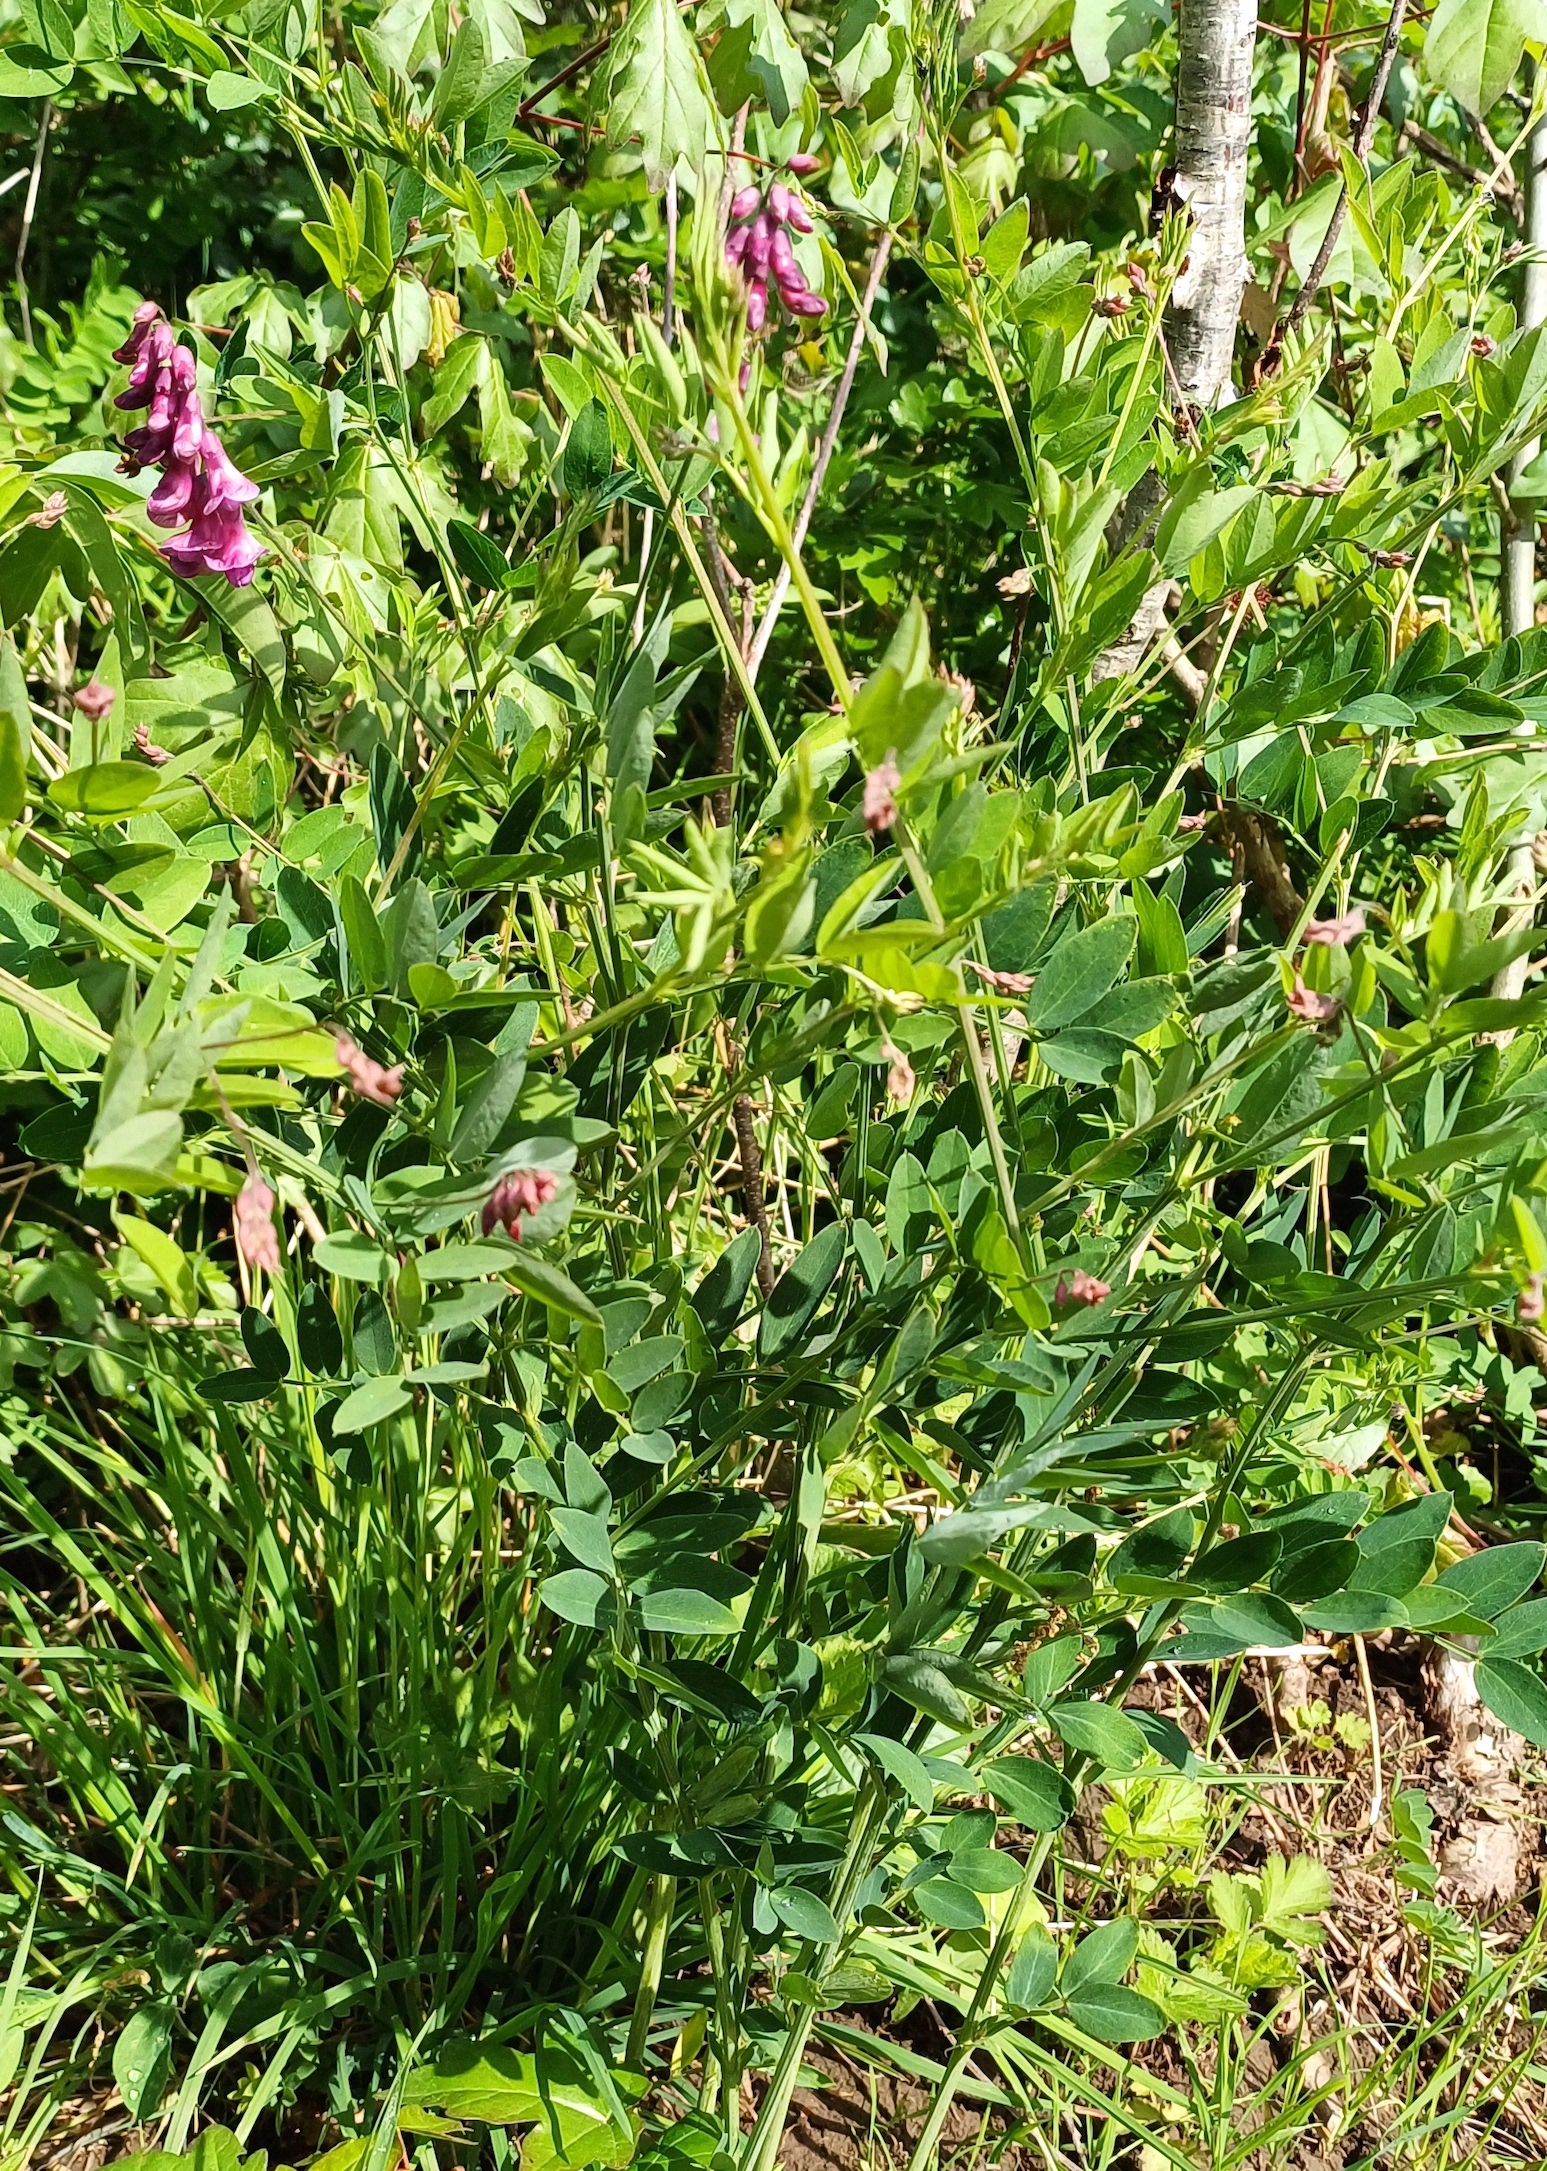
x: 760, y: 245
x: 199, y: 482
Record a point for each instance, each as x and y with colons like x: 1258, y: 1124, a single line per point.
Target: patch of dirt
x: 868, y: 2118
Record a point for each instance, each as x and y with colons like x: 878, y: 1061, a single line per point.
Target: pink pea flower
x: 746, y: 201
x: 1310, y: 1004
x: 879, y: 805
x: 901, y: 1078
x: 95, y: 700
x: 523, y: 1192
x: 1342, y: 928
x: 373, y: 1081
x: 157, y: 756
x: 802, y: 162
x: 257, y: 1239
x: 1081, y: 1288
x: 200, y: 484
x: 1002, y: 983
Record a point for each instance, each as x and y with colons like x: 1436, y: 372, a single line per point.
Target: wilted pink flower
x: 94, y: 700
x: 1190, y: 823
x: 1310, y: 1004
x: 199, y: 482
x: 802, y: 162
x: 1003, y: 983
x: 257, y: 1239
x: 50, y: 512
x: 879, y: 805
x: 370, y: 1079
x: 1530, y: 1304
x: 1341, y: 928
x: 523, y: 1191
x: 1081, y: 1288
x: 157, y: 756
x: 900, y: 1077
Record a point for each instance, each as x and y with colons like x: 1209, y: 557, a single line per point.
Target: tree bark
x: 1212, y: 134
x: 1518, y: 599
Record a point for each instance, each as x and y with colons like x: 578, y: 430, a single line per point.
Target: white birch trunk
x: 1211, y: 139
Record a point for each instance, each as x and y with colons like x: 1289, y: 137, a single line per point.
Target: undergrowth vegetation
x: 774, y: 1196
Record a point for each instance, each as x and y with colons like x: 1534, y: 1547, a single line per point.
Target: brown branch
x: 824, y: 451
x: 1364, y: 136
x: 752, y: 1200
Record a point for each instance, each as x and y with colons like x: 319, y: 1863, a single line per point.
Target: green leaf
x: 318, y: 1336
x: 1104, y: 1956
x: 478, y: 557
x: 1495, y: 1578
x: 587, y: 460
x: 265, y: 1345
x: 1079, y: 972
x: 723, y: 1290
x: 656, y: 91
x: 1033, y: 1972
x: 1521, y: 1632
x: 371, y: 1403
x: 1099, y: 1731
x: 106, y: 791
x: 166, y: 1259
x: 1113, y: 2014
x: 142, y: 2058
x: 534, y: 1277
x: 15, y: 732
x: 566, y: 2103
x: 1474, y: 47
x: 352, y: 1257
x: 800, y: 1290
x: 1156, y: 1551
x: 138, y: 1156
x: 1516, y: 1696
x: 949, y: 1905
x: 1239, y: 1563
x: 228, y: 93
x: 575, y: 1594
x: 234, y: 1388
x: 488, y: 1108
x: 685, y: 1612
x: 805, y: 1914
x: 899, y: 1762
x: 1034, y: 1793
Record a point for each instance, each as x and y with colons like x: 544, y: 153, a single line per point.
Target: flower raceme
x: 524, y: 1191
x: 200, y: 484
x: 760, y: 247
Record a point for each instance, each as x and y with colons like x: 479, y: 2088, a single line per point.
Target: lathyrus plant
x: 531, y: 1066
